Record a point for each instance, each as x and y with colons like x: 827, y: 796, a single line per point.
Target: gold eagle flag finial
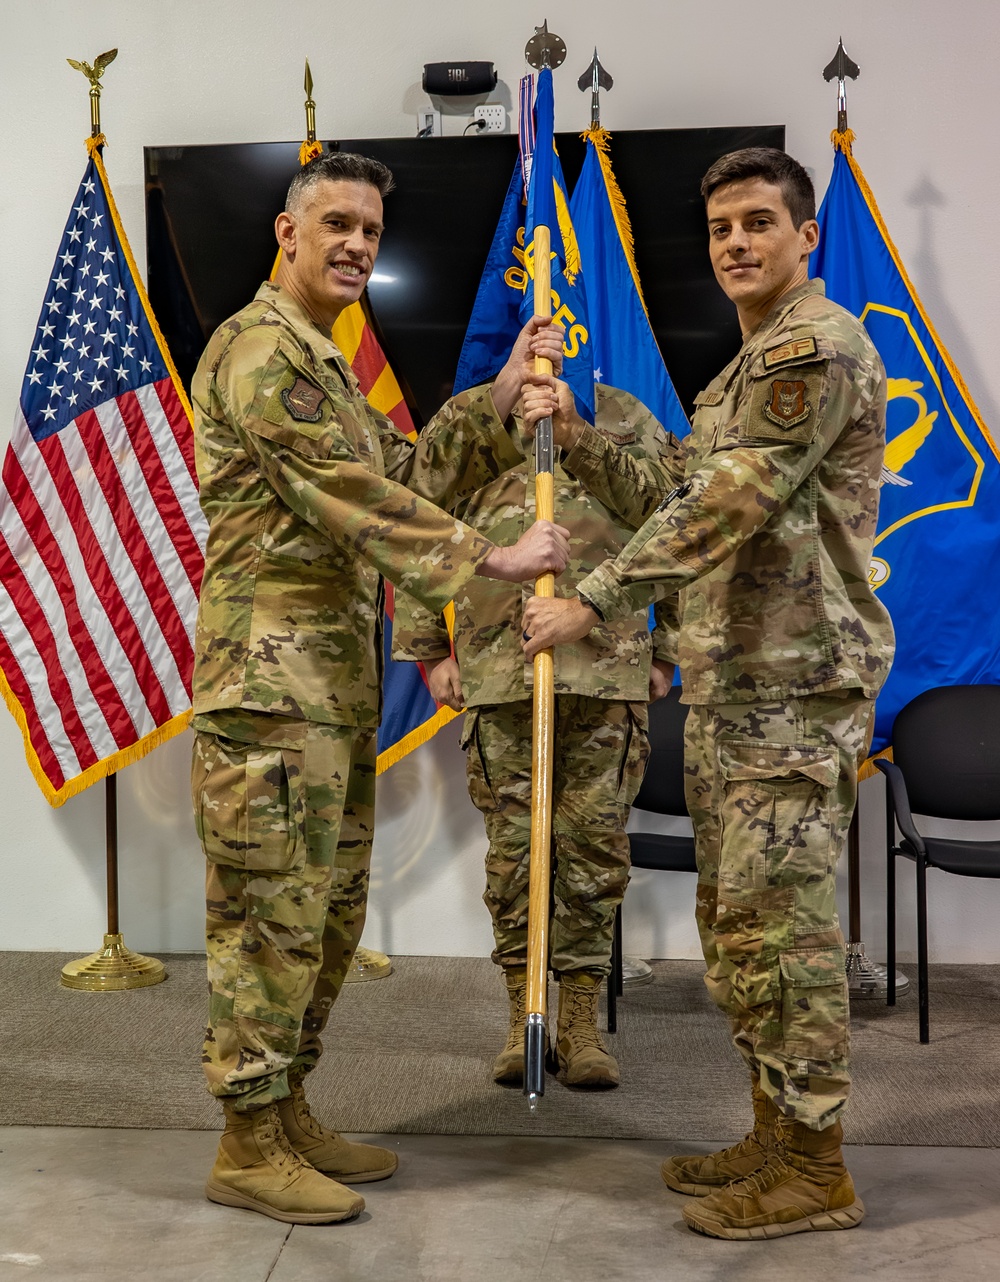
x: 93, y: 74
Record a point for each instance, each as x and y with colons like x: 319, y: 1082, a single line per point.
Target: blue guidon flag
x: 936, y: 562
x: 101, y: 534
x: 505, y: 299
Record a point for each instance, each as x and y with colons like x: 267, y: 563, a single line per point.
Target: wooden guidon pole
x: 542, y: 728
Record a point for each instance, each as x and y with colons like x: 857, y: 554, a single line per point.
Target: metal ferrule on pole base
x: 534, y: 1058
x: 112, y: 969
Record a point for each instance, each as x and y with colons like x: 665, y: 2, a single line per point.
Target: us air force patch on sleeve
x: 788, y: 405
x: 304, y: 401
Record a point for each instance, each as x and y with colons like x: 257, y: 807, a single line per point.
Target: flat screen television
x: 210, y: 214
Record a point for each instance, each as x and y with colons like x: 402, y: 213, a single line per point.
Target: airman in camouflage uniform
x: 600, y: 748
x: 766, y: 538
x: 304, y: 486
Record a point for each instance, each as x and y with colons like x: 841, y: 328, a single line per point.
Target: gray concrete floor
x: 80, y: 1204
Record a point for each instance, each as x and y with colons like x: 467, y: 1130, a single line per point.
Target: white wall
x: 925, y: 111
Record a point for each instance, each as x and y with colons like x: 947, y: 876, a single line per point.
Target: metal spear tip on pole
x: 310, y: 106
x: 843, y: 68
x: 595, y: 78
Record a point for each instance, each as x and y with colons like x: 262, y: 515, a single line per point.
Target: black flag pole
x: 865, y: 978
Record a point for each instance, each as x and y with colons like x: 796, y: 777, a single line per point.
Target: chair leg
x: 614, y: 984
x: 890, y: 903
x: 925, y: 1035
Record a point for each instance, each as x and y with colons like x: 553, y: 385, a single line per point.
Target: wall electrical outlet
x: 428, y: 124
x: 495, y: 116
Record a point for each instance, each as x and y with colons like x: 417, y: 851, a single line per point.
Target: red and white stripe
x: 101, y: 553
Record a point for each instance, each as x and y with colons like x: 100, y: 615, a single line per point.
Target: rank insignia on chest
x: 303, y: 401
x: 788, y: 404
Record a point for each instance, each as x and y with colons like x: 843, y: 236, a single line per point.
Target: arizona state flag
x: 936, y: 563
x: 624, y: 349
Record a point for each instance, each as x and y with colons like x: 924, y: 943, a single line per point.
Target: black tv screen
x: 210, y: 214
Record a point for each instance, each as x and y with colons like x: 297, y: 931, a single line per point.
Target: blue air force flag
x: 936, y: 562
x: 505, y: 299
x: 624, y: 348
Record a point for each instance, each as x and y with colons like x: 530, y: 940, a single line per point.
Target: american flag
x: 101, y: 535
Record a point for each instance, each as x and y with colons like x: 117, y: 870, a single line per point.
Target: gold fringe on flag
x: 601, y: 138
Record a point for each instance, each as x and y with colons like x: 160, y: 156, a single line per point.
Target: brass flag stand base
x: 368, y: 964
x: 112, y: 969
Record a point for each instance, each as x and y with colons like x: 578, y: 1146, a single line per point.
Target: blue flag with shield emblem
x: 625, y: 351
x: 505, y: 300
x: 936, y: 562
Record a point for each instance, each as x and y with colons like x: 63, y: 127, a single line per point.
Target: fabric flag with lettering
x: 624, y: 349
x: 505, y: 299
x: 936, y: 562
x: 101, y: 534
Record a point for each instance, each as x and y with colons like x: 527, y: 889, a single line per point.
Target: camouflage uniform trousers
x: 771, y: 789
x: 286, y: 822
x: 600, y: 751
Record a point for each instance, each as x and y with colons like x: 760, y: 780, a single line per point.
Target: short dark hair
x: 339, y: 166
x: 773, y: 166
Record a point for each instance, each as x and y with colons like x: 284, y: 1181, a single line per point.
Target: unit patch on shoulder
x: 303, y: 400
x: 796, y: 349
x: 788, y: 404
x: 619, y: 438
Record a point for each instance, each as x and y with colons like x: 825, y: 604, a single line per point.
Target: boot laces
x: 765, y: 1177
x: 270, y: 1132
x: 581, y: 1022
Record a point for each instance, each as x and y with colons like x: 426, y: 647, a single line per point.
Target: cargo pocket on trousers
x: 249, y: 804
x: 635, y: 752
x: 814, y: 1004
x: 776, y: 797
x: 476, y: 767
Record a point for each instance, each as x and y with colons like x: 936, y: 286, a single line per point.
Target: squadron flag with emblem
x: 624, y: 349
x: 101, y: 534
x: 505, y: 300
x: 936, y: 562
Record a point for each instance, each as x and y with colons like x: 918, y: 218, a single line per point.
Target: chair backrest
x: 947, y: 744
x: 662, y: 788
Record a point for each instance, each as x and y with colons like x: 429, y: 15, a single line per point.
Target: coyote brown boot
x: 803, y: 1185
x: 257, y: 1169
x: 508, y: 1067
x: 698, y: 1175
x: 326, y: 1151
x: 582, y: 1059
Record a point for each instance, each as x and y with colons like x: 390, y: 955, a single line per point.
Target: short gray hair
x: 338, y: 166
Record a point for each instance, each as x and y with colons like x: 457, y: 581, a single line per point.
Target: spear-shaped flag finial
x: 595, y: 78
x: 842, y: 67
x: 310, y: 106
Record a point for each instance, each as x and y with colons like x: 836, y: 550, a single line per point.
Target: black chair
x: 662, y: 792
x: 946, y: 764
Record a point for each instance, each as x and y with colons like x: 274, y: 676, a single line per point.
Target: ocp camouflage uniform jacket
x: 613, y: 661
x: 768, y: 534
x: 303, y: 485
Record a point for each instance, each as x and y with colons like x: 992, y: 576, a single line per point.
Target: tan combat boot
x: 326, y: 1151
x: 803, y: 1185
x: 698, y: 1175
x: 508, y: 1067
x: 582, y: 1058
x: 257, y: 1169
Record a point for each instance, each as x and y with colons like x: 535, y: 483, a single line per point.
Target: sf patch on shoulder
x: 788, y: 405
x: 304, y: 401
